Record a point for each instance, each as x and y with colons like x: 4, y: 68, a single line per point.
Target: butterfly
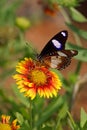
x: 54, y: 54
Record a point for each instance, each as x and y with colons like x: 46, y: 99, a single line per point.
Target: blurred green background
x: 25, y: 28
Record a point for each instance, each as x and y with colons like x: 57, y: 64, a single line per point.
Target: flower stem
x: 31, y: 115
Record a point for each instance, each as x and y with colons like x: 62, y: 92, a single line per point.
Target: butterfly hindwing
x: 59, y: 59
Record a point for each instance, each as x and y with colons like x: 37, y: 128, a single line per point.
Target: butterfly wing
x: 54, y: 54
x: 59, y: 59
x: 57, y: 43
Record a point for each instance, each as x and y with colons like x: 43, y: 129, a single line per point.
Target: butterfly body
x: 54, y: 54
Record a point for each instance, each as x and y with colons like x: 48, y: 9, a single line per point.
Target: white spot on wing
x: 62, y: 54
x: 72, y: 51
x: 56, y: 43
x: 55, y: 61
x: 63, y: 33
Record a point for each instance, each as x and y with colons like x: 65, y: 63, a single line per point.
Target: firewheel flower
x: 6, y: 125
x: 33, y: 79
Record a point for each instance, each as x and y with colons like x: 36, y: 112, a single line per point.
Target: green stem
x: 30, y: 112
x: 77, y: 39
x: 64, y: 13
x: 78, y: 67
x: 71, y: 120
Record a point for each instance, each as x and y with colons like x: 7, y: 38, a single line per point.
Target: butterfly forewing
x: 55, y: 44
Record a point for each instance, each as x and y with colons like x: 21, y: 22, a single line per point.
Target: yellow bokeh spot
x: 38, y: 77
x: 23, y: 22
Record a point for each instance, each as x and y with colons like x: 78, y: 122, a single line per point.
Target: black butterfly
x: 54, y: 54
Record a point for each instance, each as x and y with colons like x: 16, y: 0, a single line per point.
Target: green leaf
x: 46, y: 128
x: 83, y: 118
x: 77, y: 16
x: 25, y: 125
x: 20, y: 118
x: 82, y: 52
x: 71, y: 122
x: 61, y: 115
x: 53, y: 107
x: 73, y: 78
x: 63, y: 112
x: 78, y: 31
x: 23, y: 99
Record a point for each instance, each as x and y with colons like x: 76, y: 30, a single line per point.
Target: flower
x: 49, y: 8
x: 6, y: 125
x: 33, y: 78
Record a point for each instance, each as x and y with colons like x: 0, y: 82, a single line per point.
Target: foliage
x: 39, y: 114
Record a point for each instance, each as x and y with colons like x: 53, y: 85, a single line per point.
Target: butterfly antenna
x: 33, y: 49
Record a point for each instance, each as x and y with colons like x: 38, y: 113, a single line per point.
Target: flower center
x: 38, y: 77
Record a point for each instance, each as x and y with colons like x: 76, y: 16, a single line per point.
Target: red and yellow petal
x: 33, y: 79
x: 5, y: 123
